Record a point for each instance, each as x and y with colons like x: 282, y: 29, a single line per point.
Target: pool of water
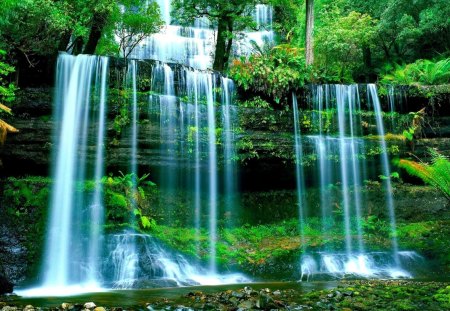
x: 139, y: 298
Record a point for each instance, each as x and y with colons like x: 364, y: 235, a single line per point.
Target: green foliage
x: 437, y: 174
x: 340, y: 51
x: 274, y: 74
x: 7, y: 94
x: 134, y: 21
x: 422, y: 72
x: 126, y: 195
x: 7, y: 90
x: 443, y: 296
x: 255, y: 102
x: 26, y: 194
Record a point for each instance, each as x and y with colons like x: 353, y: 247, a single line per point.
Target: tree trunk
x: 98, y: 23
x: 221, y: 56
x: 78, y: 46
x: 309, y: 32
x: 229, y: 44
x: 64, y: 41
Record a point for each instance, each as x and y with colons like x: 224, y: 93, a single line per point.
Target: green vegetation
x: 436, y: 174
x: 274, y: 73
x: 253, y: 247
x: 7, y: 94
x: 126, y: 195
x: 380, y: 295
x: 421, y: 72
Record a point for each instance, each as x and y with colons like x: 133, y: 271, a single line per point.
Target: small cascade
x: 373, y: 264
x: 193, y: 46
x: 336, y: 110
x: 299, y: 171
x: 97, y: 210
x: 192, y: 159
x: 139, y: 261
x: 263, y: 16
x: 372, y: 90
x: 229, y: 121
x: 73, y: 250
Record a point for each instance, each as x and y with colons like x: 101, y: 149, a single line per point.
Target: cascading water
x: 188, y: 135
x: 193, y: 46
x: 73, y: 249
x: 189, y: 138
x: 337, y: 146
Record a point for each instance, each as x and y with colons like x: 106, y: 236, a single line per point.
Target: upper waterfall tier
x: 194, y: 45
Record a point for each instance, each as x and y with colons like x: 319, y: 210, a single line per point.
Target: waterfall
x: 338, y: 144
x: 97, y: 210
x: 372, y: 89
x: 191, y: 123
x: 194, y: 45
x: 73, y: 251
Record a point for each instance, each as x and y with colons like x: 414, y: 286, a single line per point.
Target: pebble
x: 99, y: 309
x: 89, y: 305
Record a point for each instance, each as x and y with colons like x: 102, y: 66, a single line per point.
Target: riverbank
x: 338, y: 295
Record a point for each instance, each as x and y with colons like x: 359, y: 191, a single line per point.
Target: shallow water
x: 135, y: 298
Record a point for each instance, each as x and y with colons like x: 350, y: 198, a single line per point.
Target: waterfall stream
x: 340, y: 160
x: 197, y: 144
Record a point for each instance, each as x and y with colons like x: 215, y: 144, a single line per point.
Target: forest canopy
x: 349, y: 40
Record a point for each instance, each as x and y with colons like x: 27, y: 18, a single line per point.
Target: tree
x: 135, y: 21
x: 228, y: 16
x: 6, y: 95
x: 309, y: 32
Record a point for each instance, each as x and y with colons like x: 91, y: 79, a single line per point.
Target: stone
x: 8, y: 308
x: 237, y: 295
x: 277, y: 293
x: 99, y: 309
x: 348, y: 293
x: 66, y: 306
x: 246, y: 305
x: 248, y: 290
x: 28, y: 308
x: 89, y: 305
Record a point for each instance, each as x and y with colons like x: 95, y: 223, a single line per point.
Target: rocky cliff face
x: 265, y: 142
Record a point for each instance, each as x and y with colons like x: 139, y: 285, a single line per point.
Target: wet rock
x: 29, y: 308
x: 2, y: 304
x: 99, y: 309
x: 237, y: 295
x: 248, y: 290
x: 348, y: 293
x: 116, y: 309
x: 66, y: 306
x: 8, y: 308
x: 76, y: 307
x: 89, y: 305
x: 277, y: 293
x: 247, y: 304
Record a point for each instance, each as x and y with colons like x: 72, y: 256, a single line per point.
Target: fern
x: 436, y: 174
x: 425, y: 72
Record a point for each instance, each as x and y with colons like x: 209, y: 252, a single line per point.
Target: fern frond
x: 436, y: 174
